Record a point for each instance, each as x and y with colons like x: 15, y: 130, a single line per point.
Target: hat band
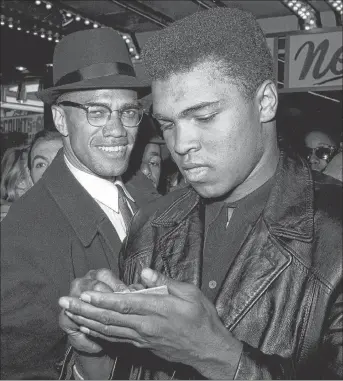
x: 96, y: 71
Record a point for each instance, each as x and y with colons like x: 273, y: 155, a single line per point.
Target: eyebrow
x: 190, y: 110
x: 125, y: 105
x: 39, y: 157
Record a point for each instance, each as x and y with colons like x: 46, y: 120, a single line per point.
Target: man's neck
x: 260, y: 175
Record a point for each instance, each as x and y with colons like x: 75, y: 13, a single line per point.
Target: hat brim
x: 50, y: 94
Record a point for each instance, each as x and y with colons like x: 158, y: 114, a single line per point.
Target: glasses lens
x: 323, y: 153
x: 307, y: 152
x: 98, y: 115
x: 131, y: 117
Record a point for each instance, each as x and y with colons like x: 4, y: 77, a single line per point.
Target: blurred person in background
x: 147, y: 157
x: 320, y: 147
x: 15, y: 177
x: 43, y: 150
x: 152, y: 160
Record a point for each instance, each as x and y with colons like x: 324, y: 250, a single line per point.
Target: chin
x: 112, y: 171
x: 209, y: 190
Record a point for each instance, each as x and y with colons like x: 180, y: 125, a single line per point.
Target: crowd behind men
x: 249, y: 248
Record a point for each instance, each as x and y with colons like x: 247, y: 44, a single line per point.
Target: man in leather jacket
x: 250, y: 250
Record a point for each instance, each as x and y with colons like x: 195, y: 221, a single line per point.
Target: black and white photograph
x: 171, y: 190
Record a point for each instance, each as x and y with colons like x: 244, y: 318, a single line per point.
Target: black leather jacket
x: 282, y: 296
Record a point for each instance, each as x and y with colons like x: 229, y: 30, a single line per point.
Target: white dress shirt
x: 105, y: 193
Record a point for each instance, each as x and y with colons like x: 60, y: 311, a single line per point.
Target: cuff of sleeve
x: 77, y: 374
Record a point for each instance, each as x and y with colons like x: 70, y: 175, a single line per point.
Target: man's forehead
x: 97, y: 94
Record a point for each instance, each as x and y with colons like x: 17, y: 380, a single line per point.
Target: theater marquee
x: 314, y: 61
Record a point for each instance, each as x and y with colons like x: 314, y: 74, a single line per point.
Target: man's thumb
x: 152, y: 278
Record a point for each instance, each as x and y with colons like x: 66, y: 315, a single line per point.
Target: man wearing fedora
x: 75, y: 218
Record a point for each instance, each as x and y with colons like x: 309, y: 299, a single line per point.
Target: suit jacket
x: 55, y: 233
x: 282, y: 296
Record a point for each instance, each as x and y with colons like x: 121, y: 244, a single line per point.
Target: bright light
x: 48, y: 6
x: 38, y: 2
x: 131, y: 49
x: 303, y: 9
x: 42, y: 35
x: 27, y: 32
x: 21, y: 68
x: 2, y: 22
x: 57, y: 40
x: 299, y: 5
x: 124, y: 37
x: 127, y: 40
x: 87, y: 22
x: 68, y: 14
x: 307, y: 27
x: 10, y: 25
x: 95, y: 25
x: 18, y: 28
x: 35, y: 33
x: 77, y: 18
x: 137, y: 57
x: 49, y: 38
x: 311, y: 22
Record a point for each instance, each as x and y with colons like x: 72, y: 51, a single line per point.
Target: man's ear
x: 59, y: 118
x: 267, y: 98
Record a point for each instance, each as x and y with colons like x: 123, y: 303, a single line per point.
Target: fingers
x: 130, y: 303
x: 77, y: 339
x: 110, y: 332
x: 107, y: 276
x: 104, y: 316
x: 136, y: 287
x: 102, y: 280
x: 118, y: 339
x: 152, y: 278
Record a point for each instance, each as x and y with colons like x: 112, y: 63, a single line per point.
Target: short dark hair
x: 231, y: 37
x: 46, y: 135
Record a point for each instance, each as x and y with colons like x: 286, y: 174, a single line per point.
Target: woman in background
x: 15, y: 177
x: 320, y: 148
x: 44, y: 148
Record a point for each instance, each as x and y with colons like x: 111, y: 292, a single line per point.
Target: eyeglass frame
x: 332, y: 151
x: 85, y: 108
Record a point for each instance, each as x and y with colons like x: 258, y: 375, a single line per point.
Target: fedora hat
x: 91, y: 59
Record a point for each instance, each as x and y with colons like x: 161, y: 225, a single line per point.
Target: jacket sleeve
x: 31, y: 341
x: 326, y: 363
x: 255, y: 365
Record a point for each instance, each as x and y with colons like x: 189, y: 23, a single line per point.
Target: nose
x: 313, y: 159
x: 114, y: 127
x: 146, y: 170
x: 185, y: 139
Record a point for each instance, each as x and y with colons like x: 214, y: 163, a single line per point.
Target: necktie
x: 124, y: 207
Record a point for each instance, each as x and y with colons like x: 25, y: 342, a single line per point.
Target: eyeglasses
x: 99, y: 115
x: 322, y: 152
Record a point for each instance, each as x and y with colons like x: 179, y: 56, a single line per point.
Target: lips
x: 195, y: 172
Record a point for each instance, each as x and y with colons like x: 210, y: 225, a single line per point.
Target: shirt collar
x: 104, y: 191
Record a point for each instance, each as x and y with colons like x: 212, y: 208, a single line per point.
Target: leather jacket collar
x: 289, y: 209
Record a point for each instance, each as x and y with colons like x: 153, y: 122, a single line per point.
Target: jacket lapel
x: 113, y: 243
x: 175, y: 232
x: 258, y: 264
x: 263, y: 258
